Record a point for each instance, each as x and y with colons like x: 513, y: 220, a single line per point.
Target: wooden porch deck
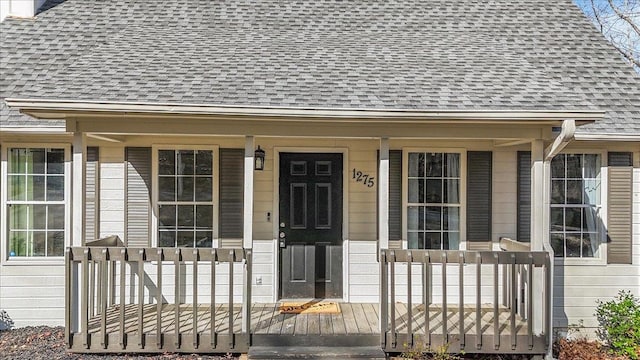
x: 356, y: 324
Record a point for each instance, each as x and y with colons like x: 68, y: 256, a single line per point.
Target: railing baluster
x: 247, y: 290
x: 159, y: 301
x: 392, y: 300
x: 384, y: 299
x: 194, y: 285
x: 530, y: 301
x: 112, y: 282
x: 176, y: 311
x: 212, y: 307
x: 478, y: 301
x: 141, y: 341
x: 85, y: 293
x: 231, y: 260
x: 103, y: 265
x: 97, y: 275
x: 123, y: 271
x: 409, y: 302
x: 92, y: 287
x: 428, y: 283
x: 70, y: 302
x: 496, y: 314
x: 514, y: 300
x: 461, y: 296
x: 445, y: 330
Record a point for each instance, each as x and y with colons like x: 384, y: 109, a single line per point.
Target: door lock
x: 282, y: 235
x: 282, y: 225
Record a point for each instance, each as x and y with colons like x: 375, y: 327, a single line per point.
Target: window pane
x: 592, y: 192
x: 204, y: 239
x: 589, y: 220
x: 204, y: 217
x: 184, y: 189
x: 416, y: 165
x: 18, y: 243
x: 433, y: 240
x: 414, y: 190
x: 452, y: 165
x: 185, y: 216
x: 557, y: 166
x: 434, y: 191
x: 167, y: 239
x: 204, y: 192
x: 572, y: 217
x: 434, y: 218
x: 434, y: 165
x: 55, y: 218
x: 451, y: 191
x: 167, y: 216
x: 18, y: 217
x: 573, y: 244
x: 557, y: 243
x: 574, y: 191
x: 412, y: 241
x: 35, y: 188
x: 39, y: 243
x: 38, y: 217
x: 589, y: 244
x: 413, y: 219
x: 17, y: 187
x: 557, y: 219
x: 36, y: 161
x: 185, y: 239
x: 55, y: 243
x: 55, y: 188
x: 166, y: 162
x: 185, y: 161
x: 451, y: 240
x: 167, y: 188
x: 204, y: 162
x: 451, y: 218
x: 574, y: 166
x: 55, y: 161
x: 591, y: 166
x: 17, y: 161
x: 557, y: 191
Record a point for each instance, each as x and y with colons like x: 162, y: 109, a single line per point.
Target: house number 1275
x: 365, y: 179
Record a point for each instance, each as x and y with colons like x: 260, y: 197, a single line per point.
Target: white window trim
x: 601, y: 210
x: 4, y: 197
x: 154, y: 183
x: 463, y: 190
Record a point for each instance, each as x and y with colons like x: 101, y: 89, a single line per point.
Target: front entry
x: 310, y: 234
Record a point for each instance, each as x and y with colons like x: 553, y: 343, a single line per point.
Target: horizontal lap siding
x: 112, y: 191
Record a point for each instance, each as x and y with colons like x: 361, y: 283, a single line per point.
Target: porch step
x: 316, y: 352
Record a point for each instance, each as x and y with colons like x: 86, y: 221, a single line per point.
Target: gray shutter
x: 619, y: 213
x: 479, y: 169
x: 138, y: 197
x: 92, y: 177
x: 395, y: 195
x: 231, y: 214
x: 524, y: 196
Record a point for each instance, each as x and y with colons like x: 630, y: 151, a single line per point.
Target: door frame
x: 345, y: 211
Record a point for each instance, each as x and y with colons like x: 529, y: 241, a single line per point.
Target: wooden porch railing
x: 498, y: 318
x: 108, y: 283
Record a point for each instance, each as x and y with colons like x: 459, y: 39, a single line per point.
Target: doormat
x: 309, y: 308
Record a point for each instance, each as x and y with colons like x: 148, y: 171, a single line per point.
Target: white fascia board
x: 44, y: 130
x: 34, y: 107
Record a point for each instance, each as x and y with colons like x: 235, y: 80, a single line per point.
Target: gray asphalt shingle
x: 396, y: 54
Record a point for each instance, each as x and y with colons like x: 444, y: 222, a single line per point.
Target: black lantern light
x: 259, y: 159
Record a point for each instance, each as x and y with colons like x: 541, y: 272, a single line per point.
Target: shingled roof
x: 323, y: 54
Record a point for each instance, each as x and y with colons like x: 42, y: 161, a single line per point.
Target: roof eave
x: 59, y: 109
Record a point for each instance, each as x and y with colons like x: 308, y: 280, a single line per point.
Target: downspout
x: 567, y: 134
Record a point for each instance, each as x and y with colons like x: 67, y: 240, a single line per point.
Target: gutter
x: 60, y: 108
x: 606, y: 137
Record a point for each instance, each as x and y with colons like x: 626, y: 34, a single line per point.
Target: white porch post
x: 78, y: 187
x: 249, y: 154
x: 540, y: 213
x: 247, y: 237
x: 383, y: 223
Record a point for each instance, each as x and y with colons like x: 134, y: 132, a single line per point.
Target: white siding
x: 505, y: 187
x: 112, y: 174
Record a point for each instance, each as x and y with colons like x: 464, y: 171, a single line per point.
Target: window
x: 433, y: 213
x: 575, y: 199
x: 185, y: 198
x: 36, y: 202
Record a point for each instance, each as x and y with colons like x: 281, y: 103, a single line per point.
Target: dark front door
x: 310, y: 223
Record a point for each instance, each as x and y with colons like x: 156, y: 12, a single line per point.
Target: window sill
x: 33, y: 261
x: 597, y: 261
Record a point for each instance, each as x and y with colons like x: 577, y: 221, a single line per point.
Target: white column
x: 383, y: 195
x: 78, y: 188
x: 249, y: 154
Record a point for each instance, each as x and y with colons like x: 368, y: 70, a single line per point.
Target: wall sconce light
x: 259, y: 159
